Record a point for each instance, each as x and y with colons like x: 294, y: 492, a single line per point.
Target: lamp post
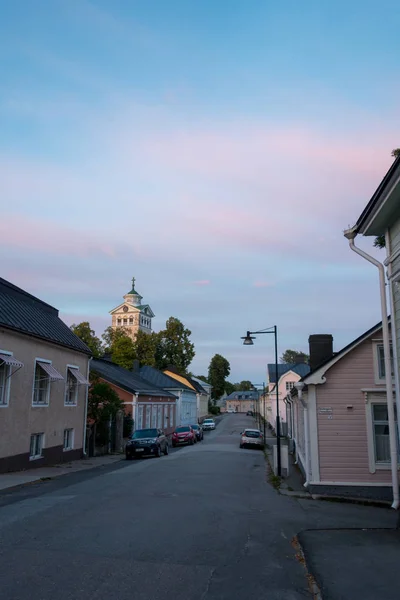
x: 248, y: 341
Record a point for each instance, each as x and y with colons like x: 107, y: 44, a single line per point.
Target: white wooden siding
x: 395, y: 245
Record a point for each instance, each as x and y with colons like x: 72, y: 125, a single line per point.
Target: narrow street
x: 202, y: 523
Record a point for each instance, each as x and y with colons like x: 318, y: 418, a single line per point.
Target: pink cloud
x: 263, y: 284
x: 202, y: 282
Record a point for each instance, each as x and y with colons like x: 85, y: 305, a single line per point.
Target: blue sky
x: 214, y: 150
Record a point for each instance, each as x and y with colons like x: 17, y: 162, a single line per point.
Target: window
x: 5, y: 375
x: 381, y: 361
x: 71, y: 389
x: 68, y: 439
x: 130, y: 320
x: 159, y: 416
x: 380, y: 426
x: 171, y: 416
x: 125, y: 321
x: 165, y: 416
x: 118, y: 321
x: 41, y: 390
x: 289, y: 385
x: 148, y: 411
x: 140, y: 417
x: 154, y: 417
x: 37, y: 444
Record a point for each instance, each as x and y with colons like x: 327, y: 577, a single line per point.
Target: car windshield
x: 208, y: 421
x: 252, y: 434
x: 144, y: 433
x: 194, y: 426
x: 182, y: 429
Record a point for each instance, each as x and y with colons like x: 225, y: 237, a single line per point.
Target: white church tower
x: 132, y: 315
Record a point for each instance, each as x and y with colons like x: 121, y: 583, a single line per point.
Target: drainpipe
x: 350, y: 234
x: 86, y: 410
x: 300, y: 386
x: 388, y: 263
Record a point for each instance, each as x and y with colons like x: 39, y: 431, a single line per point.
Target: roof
x: 194, y: 382
x: 27, y: 314
x: 127, y: 380
x: 159, y: 379
x: 241, y: 395
x: 301, y: 369
x: 378, y: 197
x: 323, y: 367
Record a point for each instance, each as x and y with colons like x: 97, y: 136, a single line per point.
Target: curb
x: 300, y: 556
x: 340, y: 499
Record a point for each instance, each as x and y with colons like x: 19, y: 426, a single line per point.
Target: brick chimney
x: 321, y: 349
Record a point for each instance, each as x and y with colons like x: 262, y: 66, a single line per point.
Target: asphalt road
x: 199, y: 524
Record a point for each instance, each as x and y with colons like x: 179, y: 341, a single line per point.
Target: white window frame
x: 159, y: 416
x: 370, y: 400
x: 171, y: 415
x: 37, y: 360
x: 147, y: 424
x: 140, y: 417
x: 289, y: 385
x: 166, y: 416
x: 377, y: 344
x: 153, y: 417
x: 69, y: 435
x: 36, y: 456
x: 5, y: 387
x: 76, y: 384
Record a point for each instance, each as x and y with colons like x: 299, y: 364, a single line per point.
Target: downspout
x: 388, y: 263
x: 86, y: 410
x: 350, y: 234
x: 300, y: 386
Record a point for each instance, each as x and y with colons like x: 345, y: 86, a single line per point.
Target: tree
x: 103, y: 402
x: 202, y: 378
x: 218, y: 371
x: 244, y: 386
x: 146, y: 347
x: 294, y: 357
x: 229, y: 387
x: 123, y: 352
x: 88, y: 336
x: 174, y: 346
x: 379, y: 241
x: 111, y: 335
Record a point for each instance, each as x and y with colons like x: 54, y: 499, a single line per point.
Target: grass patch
x: 274, y: 480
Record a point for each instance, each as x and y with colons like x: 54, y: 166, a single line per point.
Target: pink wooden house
x: 339, y: 420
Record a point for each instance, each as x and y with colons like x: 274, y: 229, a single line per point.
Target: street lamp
x: 248, y: 341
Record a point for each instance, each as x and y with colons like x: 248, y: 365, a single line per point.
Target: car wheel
x: 128, y: 456
x: 191, y: 442
x: 158, y: 454
x: 174, y: 445
x: 166, y: 450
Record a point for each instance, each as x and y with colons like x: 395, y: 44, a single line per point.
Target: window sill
x: 67, y: 449
x: 40, y: 405
x: 384, y: 466
x: 4, y: 405
x: 36, y: 457
x: 70, y: 404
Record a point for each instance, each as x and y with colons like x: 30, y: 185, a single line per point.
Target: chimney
x: 321, y: 349
x: 136, y: 366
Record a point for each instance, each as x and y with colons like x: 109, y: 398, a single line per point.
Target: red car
x: 183, y: 435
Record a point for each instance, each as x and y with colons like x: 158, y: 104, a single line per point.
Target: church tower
x: 132, y: 315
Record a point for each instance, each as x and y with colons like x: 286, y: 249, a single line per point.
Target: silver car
x: 208, y: 424
x: 252, y: 437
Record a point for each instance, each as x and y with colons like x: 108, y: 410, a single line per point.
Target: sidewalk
x: 10, y: 480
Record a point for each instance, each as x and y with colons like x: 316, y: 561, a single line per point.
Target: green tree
x: 229, y: 387
x: 218, y: 371
x: 146, y: 348
x: 103, y: 402
x: 111, y: 335
x: 379, y: 241
x: 294, y: 357
x: 88, y: 336
x: 174, y: 346
x: 123, y: 352
x: 202, y: 378
x: 244, y: 386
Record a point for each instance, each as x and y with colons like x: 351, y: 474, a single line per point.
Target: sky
x: 213, y: 150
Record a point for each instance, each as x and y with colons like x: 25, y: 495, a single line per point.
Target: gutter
x: 299, y: 385
x: 351, y: 234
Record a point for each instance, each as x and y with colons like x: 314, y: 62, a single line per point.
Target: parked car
x: 198, y: 430
x: 146, y: 442
x: 208, y: 424
x: 251, y: 437
x: 183, y: 435
x: 249, y: 413
x: 231, y: 410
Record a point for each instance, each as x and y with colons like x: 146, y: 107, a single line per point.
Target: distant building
x: 132, y: 314
x: 241, y: 402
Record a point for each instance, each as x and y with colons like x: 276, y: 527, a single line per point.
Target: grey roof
x: 127, y: 380
x: 161, y: 380
x: 240, y: 395
x: 301, y: 369
x: 27, y: 314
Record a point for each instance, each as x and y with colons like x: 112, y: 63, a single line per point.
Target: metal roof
x: 159, y: 379
x: 27, y: 314
x: 127, y: 380
x: 301, y: 369
x: 241, y: 395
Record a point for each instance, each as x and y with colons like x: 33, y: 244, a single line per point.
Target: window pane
x: 382, y: 446
x: 380, y: 412
x: 381, y: 362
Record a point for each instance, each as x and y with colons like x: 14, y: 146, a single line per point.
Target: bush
x: 128, y: 425
x: 214, y: 410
